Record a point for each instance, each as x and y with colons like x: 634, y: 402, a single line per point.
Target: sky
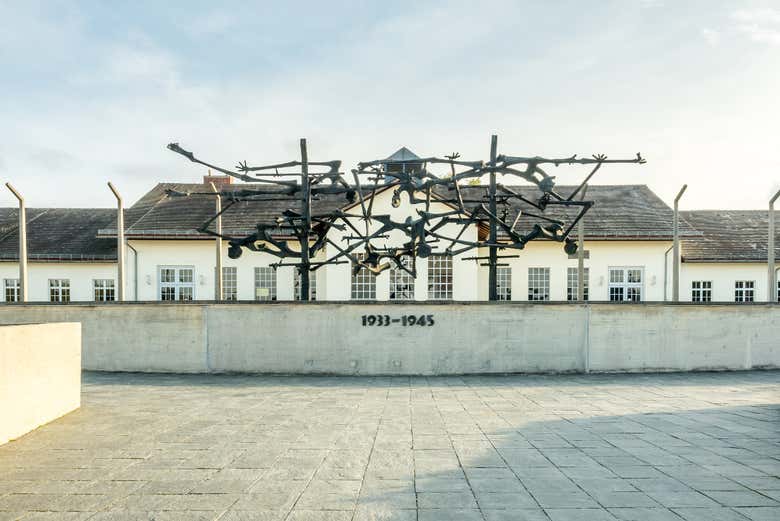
x: 92, y: 92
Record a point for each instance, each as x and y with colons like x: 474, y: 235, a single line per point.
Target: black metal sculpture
x: 310, y: 231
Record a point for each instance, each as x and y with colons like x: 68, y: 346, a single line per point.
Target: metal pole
x: 120, y: 243
x: 22, y: 244
x: 306, y: 212
x: 676, y: 247
x: 218, y: 242
x: 772, y: 289
x: 492, y: 265
x: 581, y: 253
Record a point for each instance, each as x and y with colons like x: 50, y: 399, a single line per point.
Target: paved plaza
x: 699, y: 447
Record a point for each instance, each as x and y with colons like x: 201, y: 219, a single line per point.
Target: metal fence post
x: 22, y: 244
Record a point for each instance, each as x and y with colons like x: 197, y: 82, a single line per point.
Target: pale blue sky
x: 93, y: 91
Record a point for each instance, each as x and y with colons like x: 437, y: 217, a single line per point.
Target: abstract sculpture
x: 299, y: 234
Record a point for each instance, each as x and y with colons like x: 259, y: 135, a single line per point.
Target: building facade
x: 628, y: 240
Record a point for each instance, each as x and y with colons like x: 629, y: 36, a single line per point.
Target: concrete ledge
x: 458, y: 338
x: 40, y: 375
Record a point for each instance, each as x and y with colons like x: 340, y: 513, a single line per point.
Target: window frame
x: 177, y: 285
x: 572, y: 274
x: 264, y: 281
x: 533, y: 272
x: 401, y: 281
x: 362, y: 285
x: 748, y: 287
x: 441, y: 286
x: 624, y: 285
x: 229, y: 283
x: 14, y: 288
x: 105, y: 289
x: 504, y: 283
x: 297, y: 284
x: 701, y: 290
x: 61, y: 289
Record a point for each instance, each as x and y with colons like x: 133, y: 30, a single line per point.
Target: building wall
x: 201, y: 256
x: 80, y: 274
x: 602, y: 255
x: 723, y: 277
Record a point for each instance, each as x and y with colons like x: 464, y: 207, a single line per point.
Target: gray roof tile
x: 64, y: 234
x: 729, y: 236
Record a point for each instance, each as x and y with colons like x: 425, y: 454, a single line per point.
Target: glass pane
x: 185, y: 293
x: 185, y: 275
x: 167, y: 293
x: 634, y: 276
x: 616, y: 276
x: 167, y: 275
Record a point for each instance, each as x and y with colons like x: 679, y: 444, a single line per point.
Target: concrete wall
x: 464, y: 338
x: 40, y: 375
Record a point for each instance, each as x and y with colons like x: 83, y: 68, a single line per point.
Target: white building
x: 628, y: 239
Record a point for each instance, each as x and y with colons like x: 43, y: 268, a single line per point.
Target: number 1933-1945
x: 404, y: 320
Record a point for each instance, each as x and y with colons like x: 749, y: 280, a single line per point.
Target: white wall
x: 602, y: 255
x: 201, y: 255
x: 40, y: 375
x: 723, y: 277
x: 80, y: 274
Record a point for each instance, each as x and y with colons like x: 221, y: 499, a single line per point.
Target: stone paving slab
x: 700, y: 446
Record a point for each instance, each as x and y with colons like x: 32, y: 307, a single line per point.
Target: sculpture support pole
x: 22, y: 244
x: 303, y: 270
x: 218, y: 279
x: 772, y: 279
x: 120, y: 244
x: 676, y: 247
x: 492, y: 264
x: 581, y: 253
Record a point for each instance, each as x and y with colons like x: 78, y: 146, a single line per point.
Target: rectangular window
x: 538, y: 283
x: 572, y: 276
x: 440, y: 277
x: 744, y: 290
x: 626, y: 284
x: 265, y: 284
x: 104, y: 290
x: 402, y: 282
x: 59, y: 290
x: 504, y: 282
x: 177, y: 283
x: 701, y: 291
x: 363, y: 282
x: 229, y: 283
x: 778, y: 291
x: 312, y: 284
x: 11, y: 287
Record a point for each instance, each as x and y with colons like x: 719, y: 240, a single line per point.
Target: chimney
x: 218, y: 180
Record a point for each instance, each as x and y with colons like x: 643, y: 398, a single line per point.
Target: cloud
x: 211, y: 23
x: 711, y: 36
x: 435, y: 78
x: 761, y: 25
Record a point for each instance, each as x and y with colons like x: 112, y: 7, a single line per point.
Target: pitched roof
x: 619, y: 212
x: 58, y: 234
x: 403, y: 154
x: 158, y: 215
x: 729, y: 236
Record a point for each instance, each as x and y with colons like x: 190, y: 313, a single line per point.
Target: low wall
x: 40, y: 375
x: 456, y: 338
